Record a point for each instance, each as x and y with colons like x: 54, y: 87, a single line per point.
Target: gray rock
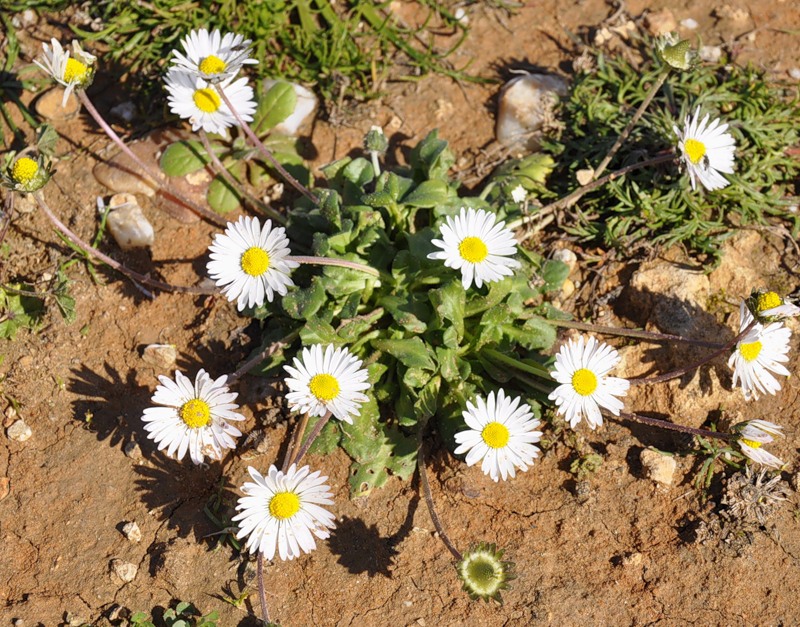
x: 658, y: 467
x: 19, y: 431
x: 161, y: 356
x: 123, y: 571
x: 526, y: 108
x: 132, y: 532
x: 128, y: 224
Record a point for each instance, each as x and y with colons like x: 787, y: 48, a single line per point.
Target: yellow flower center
x: 75, y: 71
x: 211, y: 65
x: 750, y: 350
x: 324, y: 387
x: 255, y: 261
x: 473, y: 249
x: 695, y: 150
x: 284, y: 505
x: 768, y: 300
x: 24, y: 170
x: 195, y: 413
x: 495, y: 435
x: 584, y: 382
x: 206, y: 100
x: 750, y: 443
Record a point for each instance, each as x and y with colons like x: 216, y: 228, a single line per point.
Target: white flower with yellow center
x: 582, y: 368
x: 194, y: 417
x: 282, y: 511
x: 26, y: 174
x: 249, y: 262
x: 758, y: 355
x: 327, y: 381
x: 198, y: 101
x: 501, y: 433
x: 212, y: 56
x: 707, y: 150
x: 476, y: 244
x: 769, y: 306
x: 70, y: 71
x: 752, y: 437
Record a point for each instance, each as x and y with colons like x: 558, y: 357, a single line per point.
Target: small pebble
x: 128, y: 224
x: 18, y: 622
x: 526, y: 105
x: 132, y: 532
x: 632, y: 559
x: 584, y: 176
x: 125, y: 111
x: 710, y: 54
x: 124, y: 571
x: 48, y: 105
x: 660, y: 22
x: 132, y: 450
x: 161, y: 356
x: 795, y: 73
x: 657, y: 466
x: 19, y: 431
x: 689, y: 23
x: 565, y: 255
x: 5, y: 487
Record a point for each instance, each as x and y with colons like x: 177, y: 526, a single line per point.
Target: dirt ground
x: 613, y: 548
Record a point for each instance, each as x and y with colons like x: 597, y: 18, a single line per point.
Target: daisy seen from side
x: 194, y: 417
x: 194, y: 99
x: 759, y: 355
x: 327, y: 380
x: 768, y: 306
x: 501, y: 434
x: 752, y: 437
x: 707, y: 150
x: 250, y: 262
x: 582, y: 368
x: 212, y: 56
x: 475, y: 243
x: 282, y: 512
x: 70, y: 71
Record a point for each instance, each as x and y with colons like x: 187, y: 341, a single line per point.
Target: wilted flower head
x: 484, y: 573
x: 768, y: 306
x: 753, y: 434
x: 26, y: 174
x: 675, y: 52
x: 71, y: 72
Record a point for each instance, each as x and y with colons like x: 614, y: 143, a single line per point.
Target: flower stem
x: 168, y: 192
x: 311, y: 436
x: 265, y: 151
x: 426, y: 491
x: 342, y: 263
x: 663, y: 424
x: 262, y: 594
x: 627, y: 131
x: 267, y: 352
x: 93, y: 252
x: 537, y: 370
x: 297, y: 437
x: 234, y: 184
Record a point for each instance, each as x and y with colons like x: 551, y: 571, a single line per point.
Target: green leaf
x: 448, y: 363
x: 359, y: 172
x: 183, y: 157
x: 554, y: 273
x: 431, y: 159
x: 427, y: 194
x: 416, y: 378
x: 535, y: 334
x: 316, y: 331
x: 412, y: 352
x: 18, y: 311
x: 221, y: 197
x: 409, y: 314
x: 302, y: 304
x: 450, y: 302
x: 427, y: 403
x: 277, y: 104
x: 327, y: 440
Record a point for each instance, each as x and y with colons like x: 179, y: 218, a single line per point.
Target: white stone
x: 19, y: 431
x: 128, y: 225
x: 710, y: 54
x: 565, y: 255
x: 526, y: 107
x: 132, y: 532
x: 689, y: 23
x: 162, y: 356
x: 303, y: 111
x: 125, y: 111
x: 795, y: 73
x: 657, y: 466
x: 124, y: 571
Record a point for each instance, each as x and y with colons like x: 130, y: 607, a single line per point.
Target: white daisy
x: 327, y: 382
x: 476, y: 244
x: 211, y: 56
x: 250, y: 262
x: 759, y: 355
x: 753, y: 435
x: 71, y: 72
x: 283, y: 511
x: 501, y: 433
x: 194, y: 417
x: 769, y: 306
x: 196, y: 100
x: 581, y: 369
x: 707, y: 150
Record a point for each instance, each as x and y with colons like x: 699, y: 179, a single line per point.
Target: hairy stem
x: 663, y: 424
x: 342, y: 263
x: 311, y: 436
x: 637, y: 333
x: 426, y: 491
x: 262, y: 594
x: 267, y: 352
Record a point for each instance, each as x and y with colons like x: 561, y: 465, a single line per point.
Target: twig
x: 426, y: 491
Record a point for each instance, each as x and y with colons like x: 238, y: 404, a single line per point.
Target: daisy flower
x: 581, y: 369
x: 707, y: 150
x: 759, y: 355
x: 282, y: 510
x: 196, y: 100
x: 330, y: 381
x: 194, y: 417
x: 250, y: 262
x: 26, y: 174
x: 476, y: 244
x: 71, y: 72
x: 769, y: 306
x: 211, y: 56
x: 501, y: 433
x: 753, y: 435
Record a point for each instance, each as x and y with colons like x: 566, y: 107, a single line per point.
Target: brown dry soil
x: 613, y: 548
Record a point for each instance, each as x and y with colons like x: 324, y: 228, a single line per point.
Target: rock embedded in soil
x: 48, y: 105
x: 5, y: 487
x: 122, y: 570
x: 127, y: 223
x: 132, y: 450
x: 161, y: 356
x: 19, y: 431
x: 658, y: 467
x: 526, y: 107
x: 132, y: 532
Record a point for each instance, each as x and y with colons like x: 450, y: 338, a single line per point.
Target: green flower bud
x: 26, y: 174
x: 376, y: 141
x: 484, y: 573
x: 677, y: 54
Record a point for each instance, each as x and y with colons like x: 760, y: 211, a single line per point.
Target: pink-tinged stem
x: 311, y: 436
x: 342, y: 263
x: 663, y: 424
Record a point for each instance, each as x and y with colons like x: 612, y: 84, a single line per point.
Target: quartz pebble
x: 132, y: 450
x: 303, y: 110
x: 132, y: 532
x: 124, y: 111
x: 5, y: 487
x: 526, y: 107
x: 566, y: 256
x: 124, y: 571
x: 657, y: 466
x: 127, y: 224
x: 689, y: 23
x: 161, y: 356
x: 710, y: 54
x: 795, y: 73
x: 19, y: 431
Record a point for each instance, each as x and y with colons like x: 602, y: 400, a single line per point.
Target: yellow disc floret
x: 695, y: 150
x: 750, y: 351
x: 584, y: 382
x: 284, y: 505
x: 24, y: 170
x: 195, y: 413
x: 207, y: 100
x: 255, y: 261
x: 495, y: 435
x: 768, y: 300
x: 473, y: 249
x: 75, y: 71
x: 750, y: 443
x: 324, y: 387
x: 212, y: 65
